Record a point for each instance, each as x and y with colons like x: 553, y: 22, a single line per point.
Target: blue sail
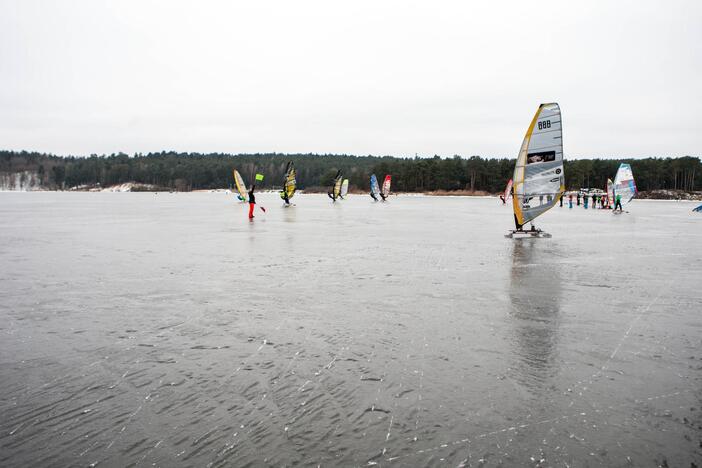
x: 375, y: 188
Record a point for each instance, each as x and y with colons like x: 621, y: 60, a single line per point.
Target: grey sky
x: 360, y: 77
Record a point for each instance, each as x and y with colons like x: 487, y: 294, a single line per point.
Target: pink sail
x: 386, y: 186
x: 508, y: 190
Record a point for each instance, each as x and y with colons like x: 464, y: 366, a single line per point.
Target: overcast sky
x: 356, y: 77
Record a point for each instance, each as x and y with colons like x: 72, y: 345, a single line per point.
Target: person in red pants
x: 252, y: 201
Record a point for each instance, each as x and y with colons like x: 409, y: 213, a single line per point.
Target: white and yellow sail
x: 538, y: 181
x: 336, y: 190
x: 240, y: 186
x: 290, y: 182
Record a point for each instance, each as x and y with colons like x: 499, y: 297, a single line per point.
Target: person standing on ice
x: 570, y: 200
x: 618, y: 203
x: 252, y: 201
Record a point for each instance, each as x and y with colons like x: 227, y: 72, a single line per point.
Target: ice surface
x: 168, y: 329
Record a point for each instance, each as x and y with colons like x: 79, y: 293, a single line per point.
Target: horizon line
x: 291, y: 154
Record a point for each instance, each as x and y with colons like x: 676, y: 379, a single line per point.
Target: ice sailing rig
x: 538, y: 180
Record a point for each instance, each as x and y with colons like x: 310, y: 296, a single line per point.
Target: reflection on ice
x: 535, y: 295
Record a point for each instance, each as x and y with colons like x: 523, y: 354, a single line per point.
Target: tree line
x: 190, y: 171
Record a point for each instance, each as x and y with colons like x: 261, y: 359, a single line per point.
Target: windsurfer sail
x: 538, y: 173
x: 374, y: 189
x: 624, y: 184
x: 335, y: 190
x: 240, y: 186
x: 610, y: 193
x: 508, y: 192
x: 344, y: 189
x: 385, y: 192
x: 289, y: 183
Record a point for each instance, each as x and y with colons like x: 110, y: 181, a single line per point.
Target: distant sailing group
x: 341, y: 187
x: 338, y: 190
x: 538, y: 182
x: 615, y: 194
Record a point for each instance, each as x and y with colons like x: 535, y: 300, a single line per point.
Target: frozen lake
x: 141, y: 329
